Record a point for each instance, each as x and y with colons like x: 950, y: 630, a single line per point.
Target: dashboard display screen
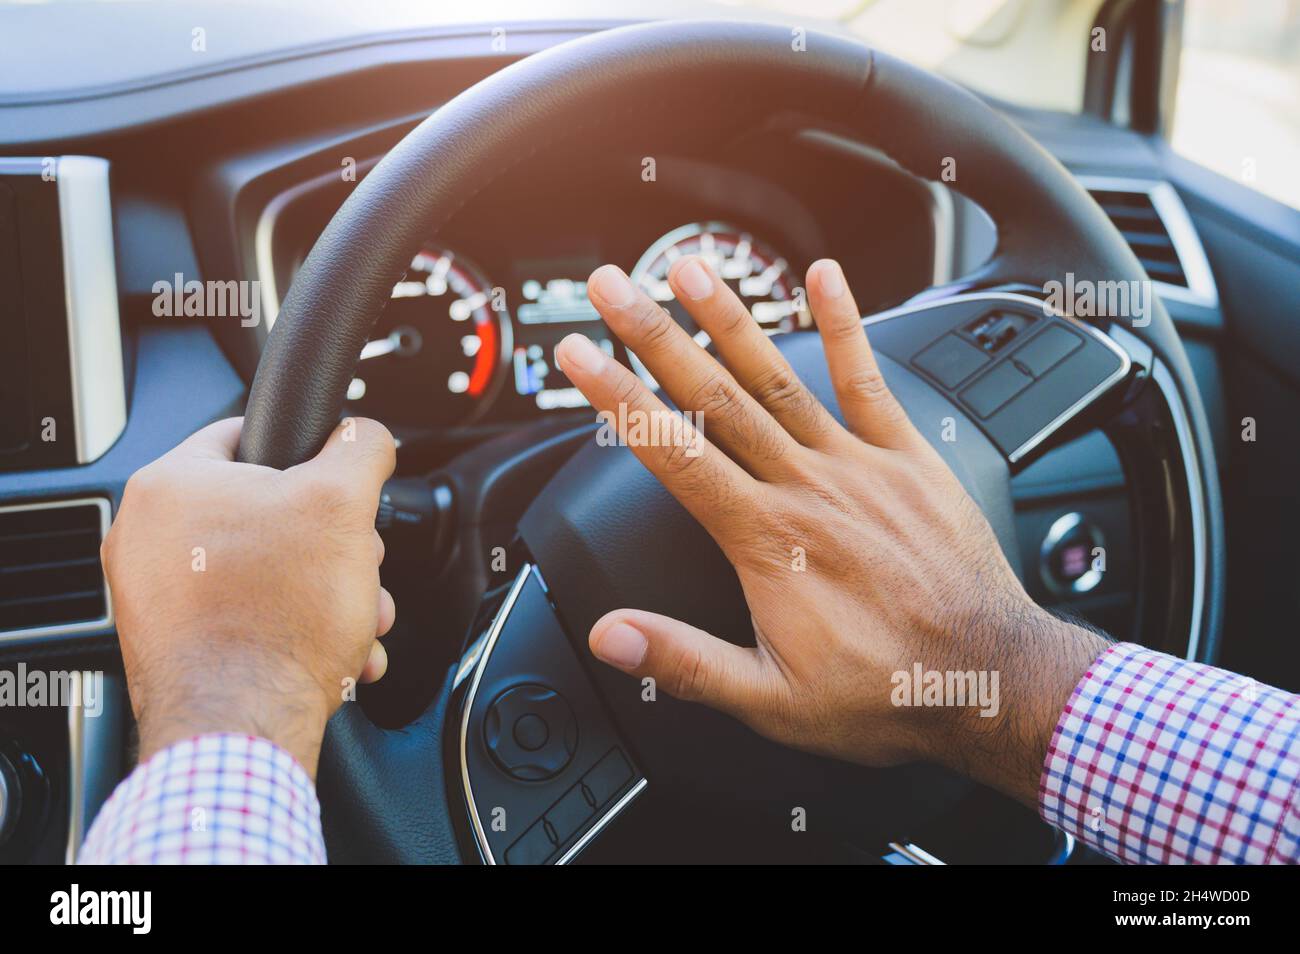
x: 551, y: 303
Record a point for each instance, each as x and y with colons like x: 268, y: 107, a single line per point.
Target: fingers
x: 358, y: 457
x: 376, y: 664
x: 704, y: 480
x: 217, y: 441
x: 687, y: 662
x: 688, y: 373
x: 751, y: 356
x: 387, y: 613
x: 869, y: 407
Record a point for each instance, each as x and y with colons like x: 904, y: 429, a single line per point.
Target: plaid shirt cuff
x: 212, y: 799
x: 1160, y: 760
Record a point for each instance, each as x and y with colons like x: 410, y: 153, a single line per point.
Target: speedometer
x: 438, y: 350
x: 761, y: 277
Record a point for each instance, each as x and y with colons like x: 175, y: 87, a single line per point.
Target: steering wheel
x: 530, y: 749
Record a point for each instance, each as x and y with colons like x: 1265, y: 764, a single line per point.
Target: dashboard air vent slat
x: 1137, y: 219
x: 50, y: 576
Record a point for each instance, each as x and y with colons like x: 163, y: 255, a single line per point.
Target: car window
x: 1237, y: 104
x: 1027, y: 52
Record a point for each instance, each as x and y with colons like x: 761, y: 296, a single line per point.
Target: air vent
x: 1154, y: 222
x: 51, y: 582
x: 1134, y: 214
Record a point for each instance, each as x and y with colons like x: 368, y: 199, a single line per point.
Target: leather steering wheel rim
x: 1045, y: 219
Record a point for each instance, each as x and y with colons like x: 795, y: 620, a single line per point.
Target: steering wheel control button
x: 950, y: 360
x: 533, y: 847
x: 531, y: 732
x: 1067, y: 556
x: 609, y: 777
x: 995, y: 331
x: 1003, y: 382
x: 538, y: 743
x: 567, y: 816
x: 1045, y: 351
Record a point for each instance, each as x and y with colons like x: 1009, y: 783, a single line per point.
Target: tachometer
x: 761, y: 277
x: 437, y: 352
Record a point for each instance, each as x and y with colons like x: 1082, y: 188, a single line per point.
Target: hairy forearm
x: 1039, y: 660
x: 235, y: 689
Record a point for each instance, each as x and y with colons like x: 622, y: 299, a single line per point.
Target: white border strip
x: 268, y: 221
x: 604, y: 820
x: 76, y: 769
x: 90, y: 299
x: 1195, y: 499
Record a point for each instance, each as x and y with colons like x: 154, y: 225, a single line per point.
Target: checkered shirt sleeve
x: 1157, y: 760
x: 212, y: 799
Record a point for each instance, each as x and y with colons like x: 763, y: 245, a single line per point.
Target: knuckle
x: 327, y: 491
x: 868, y: 385
x: 843, y: 327
x: 778, y: 388
x: 374, y: 437
x: 376, y: 433
x: 784, y: 395
x: 680, y: 458
x: 652, y: 327
x: 830, y: 499
x: 626, y: 391
x: 689, y: 680
x: 735, y: 320
x: 147, y: 482
x: 715, y: 395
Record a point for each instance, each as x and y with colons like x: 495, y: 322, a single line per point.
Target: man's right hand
x: 859, y: 552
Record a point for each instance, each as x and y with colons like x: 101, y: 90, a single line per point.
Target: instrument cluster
x: 456, y: 347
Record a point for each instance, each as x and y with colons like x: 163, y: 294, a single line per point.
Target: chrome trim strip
x: 498, y: 623
x: 614, y: 811
x: 915, y: 854
x: 264, y: 233
x: 468, y: 661
x: 942, y: 215
x: 945, y: 232
x: 1063, y: 854
x: 1169, y: 207
x: 1069, y: 413
x: 76, y: 770
x: 38, y: 633
x: 913, y: 308
x: 90, y: 300
x: 95, y: 755
x: 1195, y: 499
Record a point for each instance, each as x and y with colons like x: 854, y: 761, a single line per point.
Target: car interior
x: 302, y: 212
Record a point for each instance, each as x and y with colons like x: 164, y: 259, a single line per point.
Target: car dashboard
x: 229, y: 184
x: 465, y: 345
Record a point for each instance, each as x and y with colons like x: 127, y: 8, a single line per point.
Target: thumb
x: 687, y: 662
x: 217, y: 441
x: 359, y: 455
